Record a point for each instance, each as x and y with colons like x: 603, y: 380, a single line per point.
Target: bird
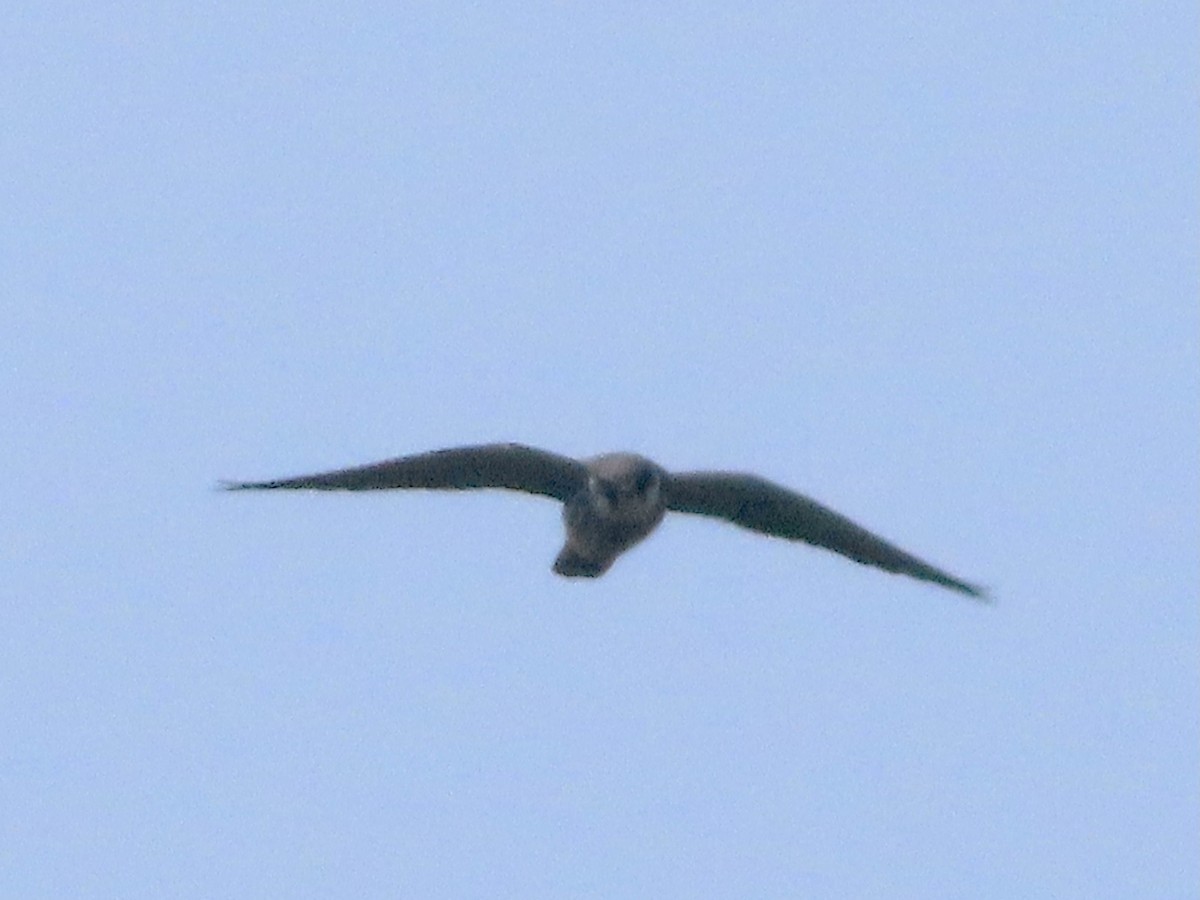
x: 613, y: 501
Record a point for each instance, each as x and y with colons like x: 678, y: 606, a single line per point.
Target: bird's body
x: 619, y: 507
x: 614, y: 501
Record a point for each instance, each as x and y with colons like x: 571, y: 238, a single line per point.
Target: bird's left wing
x: 768, y: 508
x: 512, y: 466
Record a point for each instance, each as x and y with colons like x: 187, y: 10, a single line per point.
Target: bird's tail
x: 571, y: 564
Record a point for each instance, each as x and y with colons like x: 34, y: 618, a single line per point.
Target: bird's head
x: 624, y: 485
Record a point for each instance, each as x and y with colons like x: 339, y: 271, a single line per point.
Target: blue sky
x: 936, y: 267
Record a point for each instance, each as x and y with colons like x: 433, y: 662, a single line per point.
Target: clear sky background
x: 935, y: 266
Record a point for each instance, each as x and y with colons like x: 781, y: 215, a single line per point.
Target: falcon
x: 613, y: 501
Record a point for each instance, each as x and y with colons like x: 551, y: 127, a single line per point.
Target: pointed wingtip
x: 976, y: 592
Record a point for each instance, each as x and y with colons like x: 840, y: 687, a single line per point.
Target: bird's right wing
x: 512, y: 466
x: 768, y: 508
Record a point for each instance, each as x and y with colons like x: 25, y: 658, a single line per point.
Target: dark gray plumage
x: 612, y: 502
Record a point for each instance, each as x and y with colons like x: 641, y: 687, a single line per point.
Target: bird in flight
x: 612, y: 502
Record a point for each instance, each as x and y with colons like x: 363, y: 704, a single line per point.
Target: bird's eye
x: 611, y: 494
x: 644, y: 479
